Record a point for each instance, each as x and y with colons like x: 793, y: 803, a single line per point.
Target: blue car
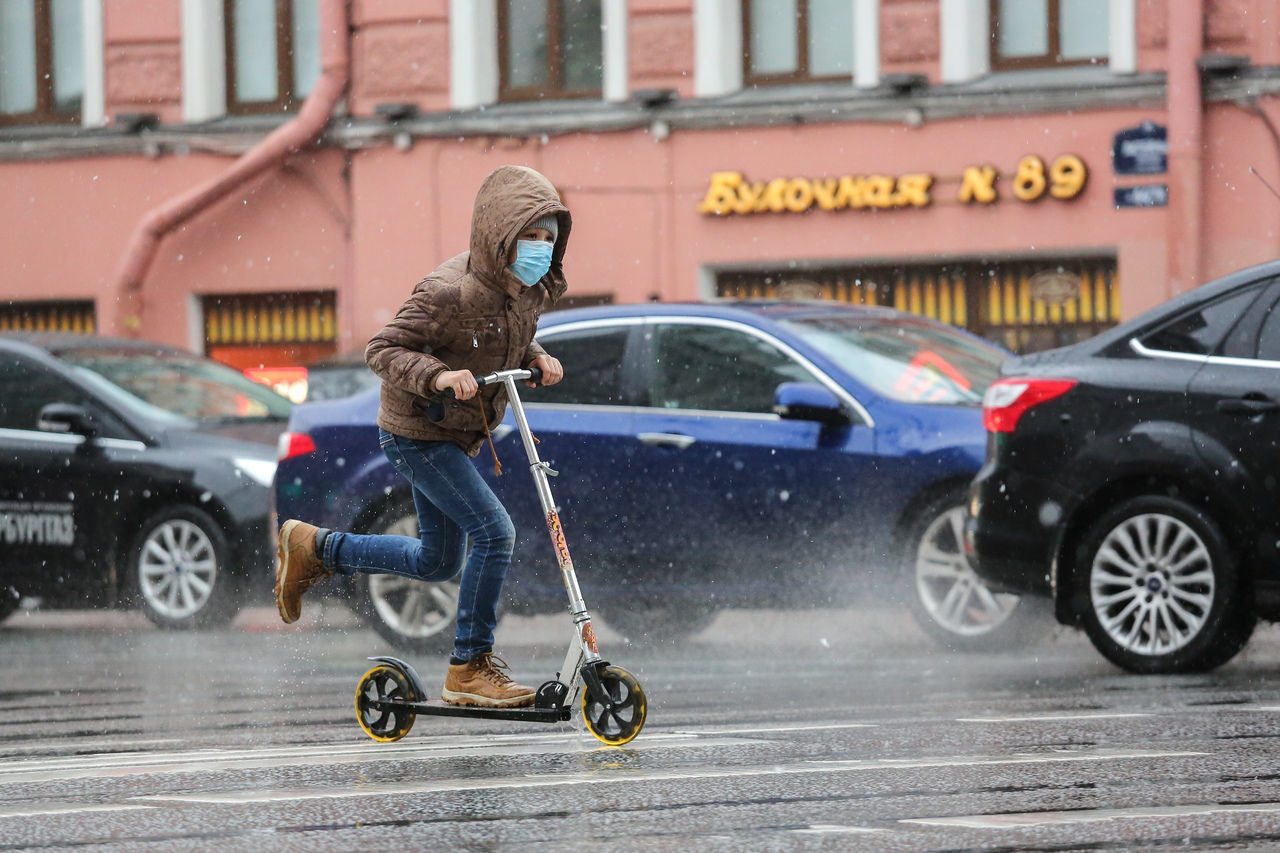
x: 713, y: 455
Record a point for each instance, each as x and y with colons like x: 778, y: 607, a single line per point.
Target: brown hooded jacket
x: 471, y: 313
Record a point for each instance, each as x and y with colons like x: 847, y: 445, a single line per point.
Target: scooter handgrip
x: 535, y: 374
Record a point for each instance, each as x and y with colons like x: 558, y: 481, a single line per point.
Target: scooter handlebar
x: 435, y: 411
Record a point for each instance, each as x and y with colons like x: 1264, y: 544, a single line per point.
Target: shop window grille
x: 1025, y: 305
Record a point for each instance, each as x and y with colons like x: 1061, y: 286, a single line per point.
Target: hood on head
x: 508, y: 200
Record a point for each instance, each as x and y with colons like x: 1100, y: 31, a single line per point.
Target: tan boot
x: 482, y: 681
x: 299, y: 567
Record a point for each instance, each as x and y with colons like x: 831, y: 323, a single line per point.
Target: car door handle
x: 1258, y: 405
x: 666, y: 439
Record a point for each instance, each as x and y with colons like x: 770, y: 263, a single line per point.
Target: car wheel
x: 180, y: 570
x: 948, y: 599
x: 656, y: 623
x: 413, y: 615
x: 1159, y: 590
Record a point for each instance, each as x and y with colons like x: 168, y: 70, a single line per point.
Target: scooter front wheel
x: 381, y: 684
x: 617, y: 719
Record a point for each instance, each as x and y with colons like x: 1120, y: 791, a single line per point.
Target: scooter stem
x: 581, y: 618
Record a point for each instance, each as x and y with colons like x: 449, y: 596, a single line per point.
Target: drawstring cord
x: 497, y: 466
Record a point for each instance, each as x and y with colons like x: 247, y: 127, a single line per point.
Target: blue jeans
x: 453, y: 503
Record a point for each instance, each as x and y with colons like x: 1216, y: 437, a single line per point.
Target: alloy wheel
x: 951, y: 593
x: 1151, y: 584
x: 177, y: 568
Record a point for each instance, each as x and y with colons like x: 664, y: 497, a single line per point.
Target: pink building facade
x: 1034, y: 181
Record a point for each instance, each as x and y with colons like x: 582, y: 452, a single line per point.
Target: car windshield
x: 183, y: 384
x: 904, y: 358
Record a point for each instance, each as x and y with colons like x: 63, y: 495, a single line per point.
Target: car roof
x: 1177, y: 304
x: 60, y: 342
x: 752, y: 309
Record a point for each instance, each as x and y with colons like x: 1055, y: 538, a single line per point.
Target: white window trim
x: 613, y: 35
x: 717, y: 47
x: 93, y: 103
x: 1124, y: 38
x: 966, y: 52
x: 204, y: 60
x: 866, y: 43
x: 473, y: 53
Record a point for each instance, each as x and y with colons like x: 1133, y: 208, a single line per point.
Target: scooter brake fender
x: 419, y: 691
x: 590, y: 674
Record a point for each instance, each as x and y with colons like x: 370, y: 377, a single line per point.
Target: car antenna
x: 1264, y: 182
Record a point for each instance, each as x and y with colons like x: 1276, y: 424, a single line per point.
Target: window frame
x: 801, y: 74
x: 286, y: 99
x: 553, y: 90
x: 860, y: 416
x: 1044, y: 60
x: 45, y: 111
x: 634, y: 373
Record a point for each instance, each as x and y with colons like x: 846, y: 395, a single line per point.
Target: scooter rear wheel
x: 380, y: 684
x: 619, y: 719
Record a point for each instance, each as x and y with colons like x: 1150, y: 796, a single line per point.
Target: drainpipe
x: 1186, y: 132
x: 285, y: 140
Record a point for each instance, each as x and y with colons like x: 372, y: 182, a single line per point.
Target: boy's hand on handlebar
x: 461, y: 381
x: 552, y: 372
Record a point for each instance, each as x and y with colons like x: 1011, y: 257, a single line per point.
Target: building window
x: 549, y: 49
x: 270, y: 329
x: 1044, y: 33
x: 273, y: 54
x: 48, y: 316
x: 41, y: 61
x: 789, y: 41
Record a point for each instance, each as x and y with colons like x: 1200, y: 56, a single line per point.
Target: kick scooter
x: 391, y: 695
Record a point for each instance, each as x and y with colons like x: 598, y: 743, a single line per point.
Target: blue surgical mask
x: 533, y: 259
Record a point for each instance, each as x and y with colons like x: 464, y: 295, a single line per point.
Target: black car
x: 1135, y: 478
x: 132, y: 473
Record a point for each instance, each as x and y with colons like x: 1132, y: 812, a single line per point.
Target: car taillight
x: 293, y: 444
x: 1007, y: 399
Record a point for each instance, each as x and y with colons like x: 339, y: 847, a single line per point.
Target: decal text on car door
x: 36, y: 524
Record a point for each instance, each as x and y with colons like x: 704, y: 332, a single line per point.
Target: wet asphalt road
x: 829, y: 730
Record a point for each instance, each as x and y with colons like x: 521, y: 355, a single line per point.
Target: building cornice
x: 904, y: 102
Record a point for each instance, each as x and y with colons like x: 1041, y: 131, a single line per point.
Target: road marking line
x: 768, y: 729
x: 835, y: 829
x: 1016, y: 820
x: 1048, y: 718
x: 19, y: 811
x: 634, y: 775
x: 205, y: 760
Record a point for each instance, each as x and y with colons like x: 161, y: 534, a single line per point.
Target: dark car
x: 132, y: 473
x: 710, y: 456
x: 1135, y: 477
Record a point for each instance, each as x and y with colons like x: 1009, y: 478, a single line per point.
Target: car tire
x: 412, y: 615
x: 179, y: 570
x: 946, y: 597
x: 1158, y: 588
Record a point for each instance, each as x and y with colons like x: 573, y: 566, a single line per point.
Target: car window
x: 1269, y: 335
x: 717, y: 369
x: 905, y: 358
x: 182, y: 384
x: 592, y: 360
x: 1202, y: 330
x: 26, y: 388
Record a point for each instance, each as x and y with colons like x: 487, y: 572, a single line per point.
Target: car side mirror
x: 66, y: 418
x: 809, y: 401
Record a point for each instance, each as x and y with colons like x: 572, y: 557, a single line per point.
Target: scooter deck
x: 442, y: 709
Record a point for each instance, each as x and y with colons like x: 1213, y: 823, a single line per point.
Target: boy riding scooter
x: 475, y: 314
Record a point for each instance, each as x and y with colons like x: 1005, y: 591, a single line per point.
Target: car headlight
x: 261, y: 471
